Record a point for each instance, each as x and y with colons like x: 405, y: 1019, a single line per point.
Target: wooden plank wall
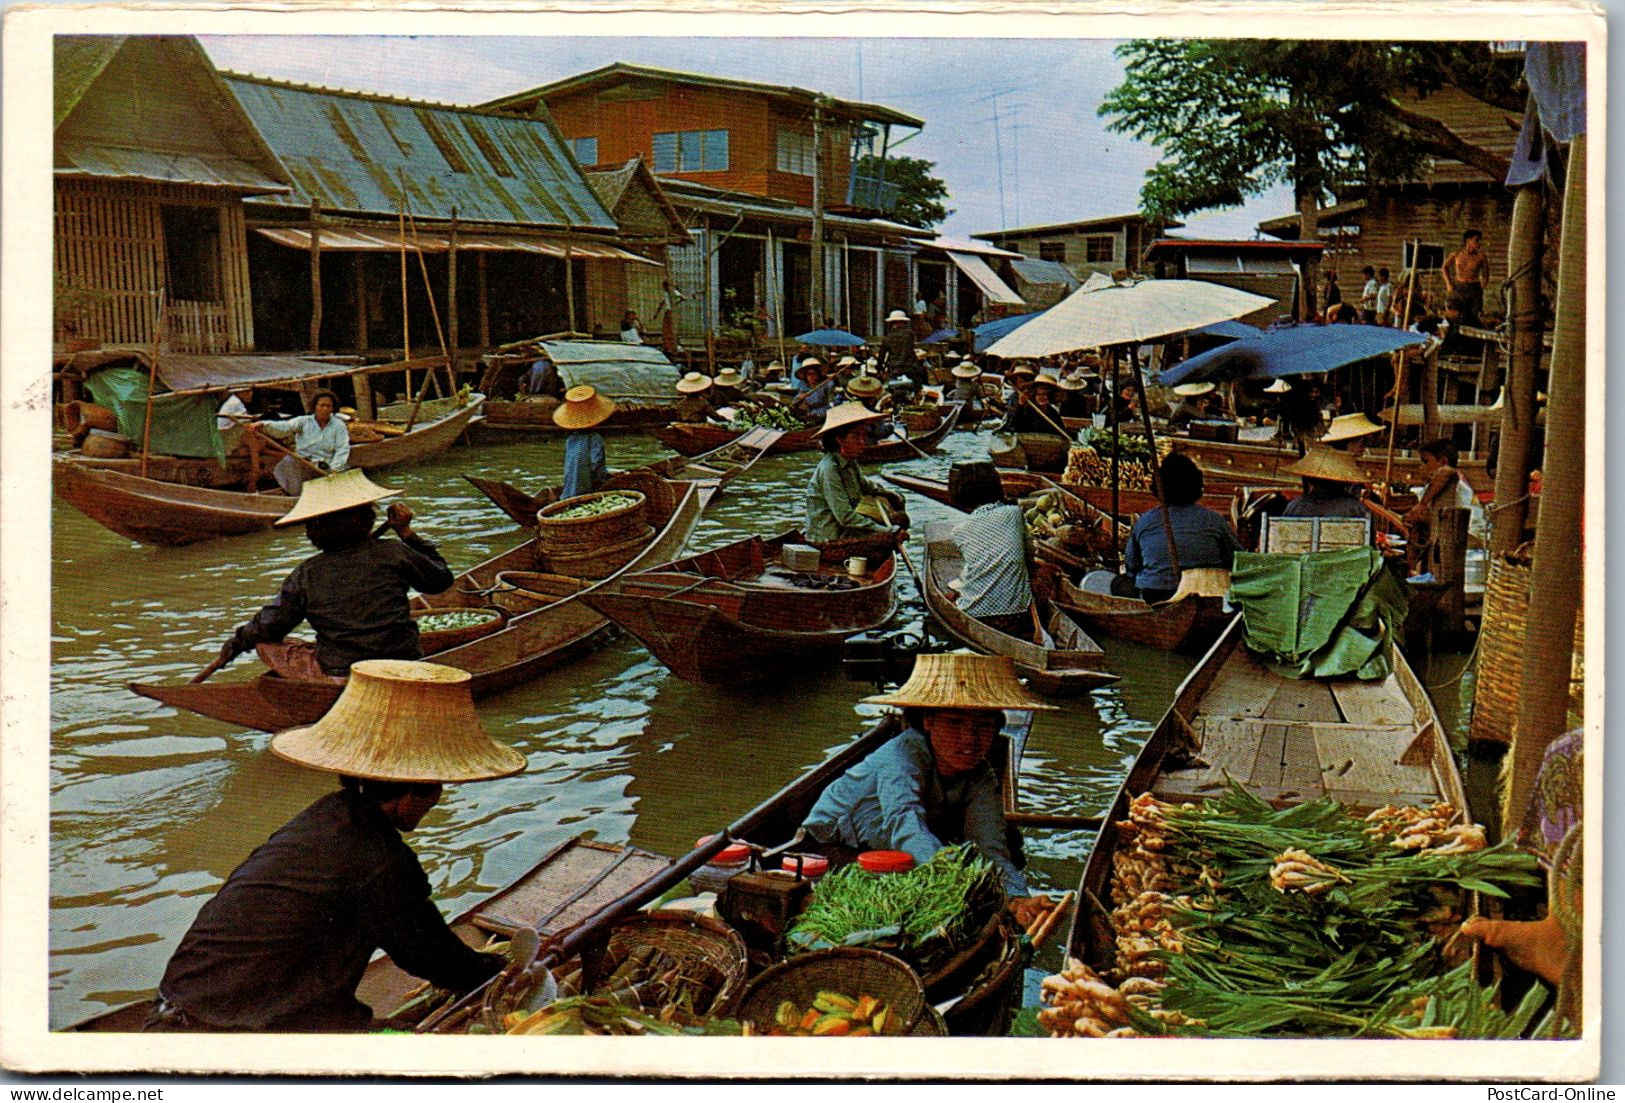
x: 109, y: 241
x: 1391, y: 220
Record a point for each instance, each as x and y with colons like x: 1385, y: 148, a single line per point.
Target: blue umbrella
x: 1291, y: 350
x: 940, y: 336
x: 832, y: 338
x: 988, y: 332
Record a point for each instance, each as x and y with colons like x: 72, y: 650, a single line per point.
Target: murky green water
x: 152, y: 808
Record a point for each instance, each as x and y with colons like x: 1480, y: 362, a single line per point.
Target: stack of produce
x: 605, y: 1017
x: 835, y: 1015
x: 1235, y: 919
x: 596, y: 506
x: 923, y: 916
x: 452, y: 619
x: 1045, y: 515
x: 1048, y: 518
x: 1090, y: 463
x: 752, y: 413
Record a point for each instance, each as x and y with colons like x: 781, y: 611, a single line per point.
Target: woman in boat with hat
x: 1201, y: 537
x: 355, y: 591
x: 585, y: 466
x: 1192, y: 405
x: 814, y: 394
x: 994, y: 550
x: 1036, y: 411
x: 967, y: 379
x: 1075, y: 399
x: 729, y: 387
x: 694, y: 406
x: 870, y: 392
x: 838, y: 487
x: 1331, y: 482
x: 283, y: 944
x: 320, y: 442
x: 933, y: 785
x: 1348, y: 432
x: 897, y: 347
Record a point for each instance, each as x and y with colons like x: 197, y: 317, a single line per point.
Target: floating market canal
x: 152, y: 807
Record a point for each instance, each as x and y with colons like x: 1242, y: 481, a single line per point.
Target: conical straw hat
x: 1073, y: 382
x: 1191, y: 390
x: 1280, y: 386
x: 728, y: 377
x: 864, y: 385
x: 959, y: 681
x: 847, y: 413
x: 401, y: 721
x: 583, y: 408
x: 967, y: 370
x: 693, y: 383
x: 341, y: 490
x: 1329, y: 464
x: 1349, y: 426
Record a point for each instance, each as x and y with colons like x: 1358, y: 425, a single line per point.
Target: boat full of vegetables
x: 1234, y: 919
x: 923, y: 916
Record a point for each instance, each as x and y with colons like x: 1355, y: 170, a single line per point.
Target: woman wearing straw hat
x: 1330, y: 483
x: 967, y: 379
x: 728, y: 387
x: 354, y: 592
x: 585, y: 466
x: 1349, y: 432
x: 815, y: 393
x: 868, y: 390
x: 1075, y: 400
x: 1192, y: 405
x: 283, y: 944
x: 933, y: 784
x: 1036, y: 412
x: 320, y: 440
x: 694, y: 406
x: 838, y: 486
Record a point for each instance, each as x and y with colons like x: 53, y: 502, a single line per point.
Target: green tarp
x: 182, y: 425
x: 1321, y: 614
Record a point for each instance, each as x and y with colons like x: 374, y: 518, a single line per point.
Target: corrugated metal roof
x: 117, y: 162
x: 960, y: 245
x: 617, y: 369
x: 189, y: 373
x: 355, y: 239
x: 352, y: 152
x: 1063, y: 227
x: 1044, y: 271
x: 76, y: 63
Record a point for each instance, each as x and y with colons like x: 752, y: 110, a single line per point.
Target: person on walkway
x: 1368, y: 296
x: 355, y: 592
x: 631, y: 329
x: 585, y: 466
x: 1331, y: 483
x: 1201, y: 537
x: 1385, y: 298
x: 838, y: 487
x: 897, y: 347
x: 933, y: 785
x: 320, y: 441
x: 694, y: 406
x: 1466, y: 273
x: 284, y: 943
x: 994, y: 549
x: 1445, y: 489
x: 1331, y: 295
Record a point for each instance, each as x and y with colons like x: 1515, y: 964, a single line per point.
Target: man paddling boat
x: 284, y: 943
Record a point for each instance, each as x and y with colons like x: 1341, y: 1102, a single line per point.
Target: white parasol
x: 1105, y: 313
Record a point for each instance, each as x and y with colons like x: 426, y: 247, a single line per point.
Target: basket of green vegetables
x: 443, y: 629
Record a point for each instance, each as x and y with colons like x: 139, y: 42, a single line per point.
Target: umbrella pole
x: 1156, y: 477
x: 1116, y: 447
x: 1393, y: 428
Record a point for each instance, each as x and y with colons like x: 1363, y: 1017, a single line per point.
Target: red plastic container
x: 732, y: 854
x: 886, y: 861
x: 812, y: 865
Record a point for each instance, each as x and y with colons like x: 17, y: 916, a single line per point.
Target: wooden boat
x: 530, y: 643
x: 717, y: 467
x: 1288, y: 741
x: 736, y: 615
x: 507, y: 416
x: 155, y: 512
x: 429, y: 438
x: 1217, y: 495
x: 1190, y: 624
x: 1247, y: 460
x: 1074, y: 664
x: 693, y: 439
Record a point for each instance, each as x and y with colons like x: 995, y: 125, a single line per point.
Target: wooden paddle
x: 204, y: 674
x: 902, y: 548
x: 278, y: 446
x: 1041, y: 634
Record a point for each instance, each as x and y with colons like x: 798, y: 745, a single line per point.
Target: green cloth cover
x: 1320, y: 614
x: 182, y: 425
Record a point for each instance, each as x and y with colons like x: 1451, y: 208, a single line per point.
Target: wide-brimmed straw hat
x: 951, y: 355
x: 1072, y: 382
x: 774, y: 367
x: 1328, y: 464
x: 846, y: 362
x: 1021, y: 369
x: 959, y: 681
x: 1047, y: 379
x: 1191, y: 390
x: 728, y: 377
x: 966, y: 370
x: 897, y: 316
x: 1349, y: 426
x: 778, y: 387
x: 583, y: 408
x: 809, y: 362
x: 864, y: 385
x: 399, y: 720
x: 1280, y: 386
x: 847, y: 413
x: 693, y: 383
x: 329, y: 494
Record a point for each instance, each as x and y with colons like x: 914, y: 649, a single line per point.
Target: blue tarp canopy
x: 986, y: 333
x: 832, y: 338
x: 1291, y: 350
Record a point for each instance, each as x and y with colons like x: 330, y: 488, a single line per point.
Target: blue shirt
x: 1204, y: 539
x: 993, y: 552
x: 882, y: 804
x: 585, y: 469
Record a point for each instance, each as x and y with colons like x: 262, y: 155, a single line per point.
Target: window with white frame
x: 691, y: 151
x: 795, y: 152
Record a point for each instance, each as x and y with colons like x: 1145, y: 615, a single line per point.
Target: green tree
x: 920, y: 195
x: 1234, y: 117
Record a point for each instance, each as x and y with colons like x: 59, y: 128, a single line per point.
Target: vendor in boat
x: 694, y: 405
x: 1127, y: 402
x: 1331, y: 485
x: 994, y: 550
x: 1075, y: 399
x: 933, y: 785
x: 897, y: 347
x: 1018, y: 384
x: 282, y: 946
x: 729, y: 387
x: 870, y: 392
x: 815, y: 394
x: 1201, y: 537
x: 1192, y: 405
x: 967, y: 379
x: 585, y: 467
x: 320, y: 442
x: 355, y: 592
x: 1036, y: 411
x: 1349, y: 433
x: 838, y: 487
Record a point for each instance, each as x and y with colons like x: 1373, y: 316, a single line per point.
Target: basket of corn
x: 443, y: 629
x: 843, y: 992
x: 592, y: 535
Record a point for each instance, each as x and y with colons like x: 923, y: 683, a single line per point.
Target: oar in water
x: 204, y: 674
x: 899, y: 435
x: 902, y: 548
x: 1041, y: 634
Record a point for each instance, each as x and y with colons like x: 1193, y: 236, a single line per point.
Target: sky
x: 1010, y: 123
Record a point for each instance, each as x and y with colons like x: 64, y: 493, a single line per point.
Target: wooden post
x: 315, y: 277
x: 569, y: 290
x: 815, y: 288
x: 152, y: 381
x: 451, y: 301
x: 406, y: 329
x: 485, y: 301
x: 1555, y: 589
x: 1450, y: 535
x: 1393, y: 429
x: 1117, y: 446
x: 363, y: 339
x: 1516, y: 431
x: 1156, y: 476
x: 1430, y: 395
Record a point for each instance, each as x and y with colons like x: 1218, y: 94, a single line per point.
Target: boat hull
x: 166, y: 514
x: 693, y: 439
x: 1190, y: 625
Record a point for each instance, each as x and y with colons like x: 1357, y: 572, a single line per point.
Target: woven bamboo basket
x: 846, y: 969
x: 447, y: 638
x: 520, y: 592
x: 103, y: 445
x: 920, y: 419
x: 599, y: 562
x: 575, y: 535
x: 1502, y: 645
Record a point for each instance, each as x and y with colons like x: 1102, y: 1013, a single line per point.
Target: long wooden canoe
x: 1246, y: 460
x: 735, y: 615
x: 1288, y: 741
x: 427, y: 439
x: 1075, y: 664
x: 693, y: 439
x: 155, y: 512
x: 718, y: 467
x: 1190, y: 624
x: 528, y: 645
x: 508, y: 416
